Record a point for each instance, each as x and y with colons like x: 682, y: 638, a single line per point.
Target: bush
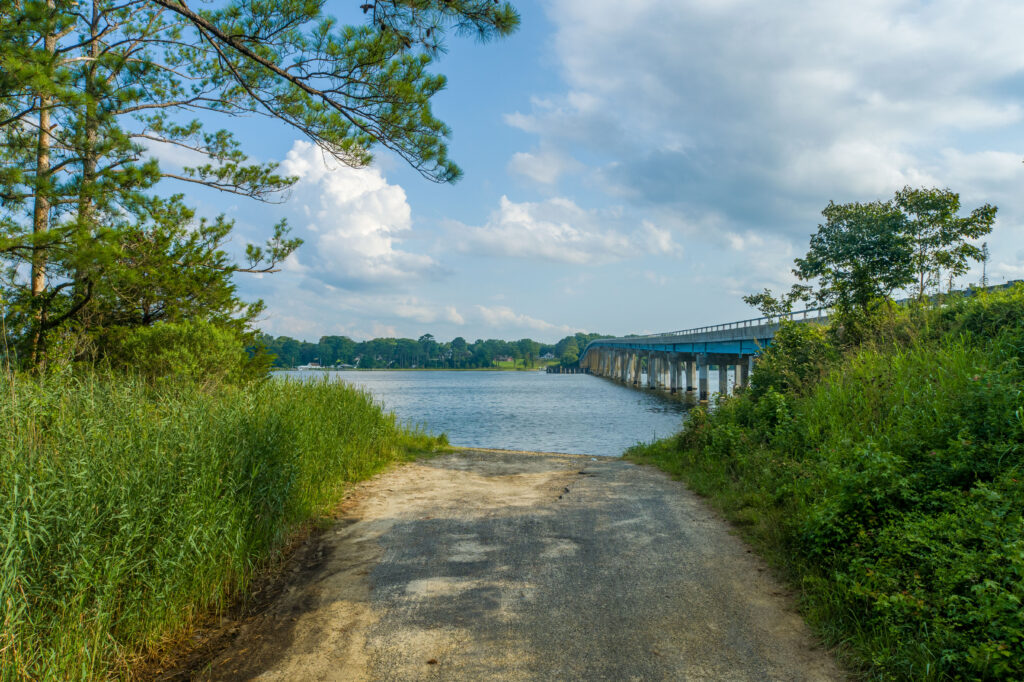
x: 887, y: 482
x: 194, y: 351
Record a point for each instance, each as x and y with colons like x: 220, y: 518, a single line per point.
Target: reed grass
x: 126, y: 511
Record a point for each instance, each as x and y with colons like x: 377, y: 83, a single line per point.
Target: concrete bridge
x: 682, y: 360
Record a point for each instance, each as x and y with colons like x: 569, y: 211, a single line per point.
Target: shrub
x: 887, y: 482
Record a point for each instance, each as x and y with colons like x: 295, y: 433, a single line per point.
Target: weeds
x: 128, y: 510
x: 885, y: 480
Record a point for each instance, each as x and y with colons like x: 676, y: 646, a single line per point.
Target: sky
x: 633, y: 167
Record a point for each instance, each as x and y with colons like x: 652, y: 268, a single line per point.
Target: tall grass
x: 887, y: 482
x: 126, y: 511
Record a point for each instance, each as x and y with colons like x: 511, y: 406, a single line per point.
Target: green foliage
x: 129, y: 510
x: 885, y: 480
x: 192, y: 351
x: 89, y: 98
x: 426, y: 352
x: 860, y: 255
x: 795, y: 361
x: 939, y: 234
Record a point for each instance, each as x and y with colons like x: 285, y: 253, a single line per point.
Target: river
x: 569, y: 413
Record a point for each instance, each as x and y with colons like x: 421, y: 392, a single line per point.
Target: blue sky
x: 638, y: 166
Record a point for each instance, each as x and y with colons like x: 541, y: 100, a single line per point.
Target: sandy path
x: 513, y: 566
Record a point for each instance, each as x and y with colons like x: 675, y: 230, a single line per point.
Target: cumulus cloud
x: 559, y: 230
x: 762, y: 112
x: 352, y: 221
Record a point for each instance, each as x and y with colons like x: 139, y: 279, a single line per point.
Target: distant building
x: 548, y: 356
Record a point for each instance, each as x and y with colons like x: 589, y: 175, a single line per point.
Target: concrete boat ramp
x: 494, y: 565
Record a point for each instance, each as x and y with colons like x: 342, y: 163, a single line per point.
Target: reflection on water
x: 574, y: 413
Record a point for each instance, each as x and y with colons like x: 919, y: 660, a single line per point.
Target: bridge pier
x: 723, y: 380
x: 746, y: 369
x: 702, y: 372
x: 691, y: 374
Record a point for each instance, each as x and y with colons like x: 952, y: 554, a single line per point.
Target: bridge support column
x: 637, y: 363
x: 747, y: 369
x: 737, y: 379
x: 673, y: 373
x: 723, y: 380
x: 650, y: 370
x: 702, y: 371
x: 691, y: 374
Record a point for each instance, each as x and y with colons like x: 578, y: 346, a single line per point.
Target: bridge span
x: 682, y: 360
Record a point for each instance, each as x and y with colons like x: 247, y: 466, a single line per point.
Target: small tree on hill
x: 861, y: 253
x: 938, y: 235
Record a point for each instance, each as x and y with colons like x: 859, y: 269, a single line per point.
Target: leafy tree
x: 860, y: 254
x: 528, y: 350
x: 570, y: 353
x: 939, y: 235
x: 459, y: 350
x: 769, y: 304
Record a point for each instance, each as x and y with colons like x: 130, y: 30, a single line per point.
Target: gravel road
x: 491, y: 565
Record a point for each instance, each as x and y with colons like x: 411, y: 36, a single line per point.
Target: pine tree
x: 89, y: 87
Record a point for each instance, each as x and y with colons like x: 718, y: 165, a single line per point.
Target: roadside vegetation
x: 148, y: 471
x: 878, y: 463
x: 131, y: 509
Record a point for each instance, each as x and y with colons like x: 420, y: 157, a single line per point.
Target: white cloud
x: 352, y: 221
x: 763, y: 112
x: 505, y: 318
x: 543, y: 167
x: 452, y: 315
x: 559, y: 230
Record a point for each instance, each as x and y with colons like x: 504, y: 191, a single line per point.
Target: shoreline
x: 415, y: 369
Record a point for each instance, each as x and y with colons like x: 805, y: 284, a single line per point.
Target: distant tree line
x: 425, y: 352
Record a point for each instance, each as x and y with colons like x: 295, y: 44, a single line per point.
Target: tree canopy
x: 860, y: 254
x: 864, y: 252
x: 91, y: 91
x: 426, y: 352
x: 939, y: 234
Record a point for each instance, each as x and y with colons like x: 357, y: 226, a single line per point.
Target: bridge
x: 682, y: 360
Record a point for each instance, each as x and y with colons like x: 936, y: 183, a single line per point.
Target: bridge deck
x: 744, y: 337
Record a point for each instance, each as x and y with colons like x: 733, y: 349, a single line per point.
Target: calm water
x: 574, y: 413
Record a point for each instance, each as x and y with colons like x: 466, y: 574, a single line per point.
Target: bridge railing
x: 801, y: 315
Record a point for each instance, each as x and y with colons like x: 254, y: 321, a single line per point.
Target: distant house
x: 503, y: 358
x: 312, y: 365
x: 548, y: 356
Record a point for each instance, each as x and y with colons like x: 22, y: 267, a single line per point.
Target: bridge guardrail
x: 809, y: 314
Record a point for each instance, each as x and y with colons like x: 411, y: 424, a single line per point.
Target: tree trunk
x: 41, y: 210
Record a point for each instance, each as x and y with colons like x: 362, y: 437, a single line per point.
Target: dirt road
x: 484, y: 565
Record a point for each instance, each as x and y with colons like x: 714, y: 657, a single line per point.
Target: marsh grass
x: 128, y: 511
x: 886, y: 483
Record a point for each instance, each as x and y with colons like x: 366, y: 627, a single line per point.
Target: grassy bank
x: 128, y: 511
x: 884, y: 478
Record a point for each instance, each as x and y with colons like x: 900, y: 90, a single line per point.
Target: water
x: 574, y: 413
